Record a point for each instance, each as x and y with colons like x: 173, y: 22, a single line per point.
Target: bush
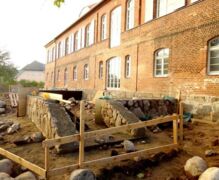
x: 27, y: 83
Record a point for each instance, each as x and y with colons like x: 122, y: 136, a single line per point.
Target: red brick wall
x: 185, y: 32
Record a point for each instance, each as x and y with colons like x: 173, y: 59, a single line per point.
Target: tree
x: 58, y: 2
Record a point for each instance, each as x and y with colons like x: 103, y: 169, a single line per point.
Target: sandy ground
x: 198, y: 138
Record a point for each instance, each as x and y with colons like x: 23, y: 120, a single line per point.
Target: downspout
x: 136, y: 87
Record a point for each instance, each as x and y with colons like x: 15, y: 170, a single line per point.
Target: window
x: 192, y: 1
x: 213, y: 57
x: 67, y: 46
x: 75, y: 73
x: 53, y: 54
x: 59, y: 49
x: 71, y: 46
x: 101, y: 70
x: 48, y: 56
x: 115, y: 32
x: 161, y: 63
x: 149, y: 10
x: 130, y: 14
x: 65, y: 76
x: 113, y: 72
x: 128, y: 66
x: 86, y: 72
x: 76, y: 41
x: 87, y: 35
x: 167, y: 6
x: 103, y: 27
x: 58, y: 74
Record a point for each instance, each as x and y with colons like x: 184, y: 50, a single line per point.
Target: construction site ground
x: 198, y: 138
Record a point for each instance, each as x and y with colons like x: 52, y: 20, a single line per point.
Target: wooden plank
x: 81, y: 143
x: 69, y: 169
x: 68, y: 139
x: 181, y: 122
x: 36, y: 169
x: 175, y: 132
x: 46, y: 158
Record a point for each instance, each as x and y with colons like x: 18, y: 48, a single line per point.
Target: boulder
x: 5, y: 176
x: 195, y: 166
x: 6, y: 166
x: 82, y: 174
x: 22, y: 140
x: 138, y: 112
x: 128, y: 146
x: 2, y: 110
x: 2, y: 104
x: 211, y: 173
x: 37, y: 137
x: 210, y: 152
x: 26, y: 176
x: 14, y: 128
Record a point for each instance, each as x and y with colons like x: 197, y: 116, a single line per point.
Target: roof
x: 92, y: 8
x: 34, y: 66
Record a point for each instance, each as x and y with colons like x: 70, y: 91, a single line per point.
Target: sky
x: 27, y: 25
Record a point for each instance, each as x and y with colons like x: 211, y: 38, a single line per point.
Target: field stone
x: 138, y: 112
x: 128, y: 146
x: 26, y: 176
x: 15, y: 127
x: 211, y: 173
x: 5, y: 176
x: 2, y: 104
x: 37, y: 137
x: 195, y: 166
x: 210, y: 152
x: 2, y: 110
x: 6, y: 166
x: 4, y: 127
x: 82, y: 174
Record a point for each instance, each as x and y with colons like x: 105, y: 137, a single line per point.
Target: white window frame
x: 161, y: 58
x: 128, y: 62
x: 210, y: 49
x: 193, y: 1
x: 149, y: 10
x: 86, y: 72
x: 75, y: 73
x: 103, y: 27
x: 130, y: 14
x: 113, y: 73
x: 76, y: 41
x: 87, y: 35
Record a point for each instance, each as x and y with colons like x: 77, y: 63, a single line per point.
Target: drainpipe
x: 136, y: 88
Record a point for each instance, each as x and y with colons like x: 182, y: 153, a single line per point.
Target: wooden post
x: 181, y: 121
x: 81, y: 144
x: 46, y: 160
x: 175, y: 131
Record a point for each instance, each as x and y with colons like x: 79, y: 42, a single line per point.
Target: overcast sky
x: 27, y: 25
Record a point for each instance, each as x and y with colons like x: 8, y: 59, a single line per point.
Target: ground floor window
x: 101, y: 70
x: 161, y: 63
x: 75, y: 73
x: 86, y: 71
x: 213, y: 57
x: 65, y: 76
x: 113, y: 72
x: 128, y: 66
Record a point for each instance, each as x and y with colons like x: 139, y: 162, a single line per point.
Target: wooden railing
x: 47, y: 172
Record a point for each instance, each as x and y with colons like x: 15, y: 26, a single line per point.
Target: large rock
x: 26, y: 176
x: 2, y: 104
x: 37, y: 137
x: 82, y: 174
x: 2, y: 110
x: 5, y: 176
x: 210, y: 174
x: 128, y: 146
x: 195, y: 166
x: 6, y: 166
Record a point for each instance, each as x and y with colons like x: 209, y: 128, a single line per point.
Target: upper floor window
x: 65, y: 76
x: 161, y: 63
x: 115, y: 31
x: 75, y: 73
x: 101, y: 70
x: 53, y: 54
x: 149, y: 10
x: 77, y: 46
x: 86, y: 71
x: 103, y: 27
x: 128, y: 66
x: 130, y: 14
x: 59, y: 49
x: 167, y: 6
x: 213, y: 57
x: 87, y: 35
x: 67, y: 46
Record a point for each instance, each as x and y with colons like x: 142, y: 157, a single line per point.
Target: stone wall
x: 51, y: 119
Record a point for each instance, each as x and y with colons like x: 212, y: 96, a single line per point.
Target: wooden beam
x: 175, y: 132
x: 69, y: 139
x: 81, y: 142
x: 69, y: 169
x: 36, y: 169
x: 46, y: 158
x: 181, y: 122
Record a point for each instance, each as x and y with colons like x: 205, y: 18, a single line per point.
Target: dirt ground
x: 198, y: 137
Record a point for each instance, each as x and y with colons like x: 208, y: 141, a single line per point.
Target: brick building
x: 140, y: 47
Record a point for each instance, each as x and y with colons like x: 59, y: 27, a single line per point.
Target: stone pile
x: 8, y: 127
x: 2, y: 107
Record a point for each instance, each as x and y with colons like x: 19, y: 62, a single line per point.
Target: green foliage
x: 58, y: 2
x: 26, y: 83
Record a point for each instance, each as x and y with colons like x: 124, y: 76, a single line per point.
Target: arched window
x: 59, y: 49
x: 161, y: 63
x: 130, y: 14
x: 101, y: 70
x: 213, y: 57
x: 65, y: 76
x: 75, y: 73
x: 113, y: 72
x: 76, y: 41
x: 128, y: 66
x: 87, y: 35
x: 67, y: 46
x: 103, y: 27
x: 86, y: 72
